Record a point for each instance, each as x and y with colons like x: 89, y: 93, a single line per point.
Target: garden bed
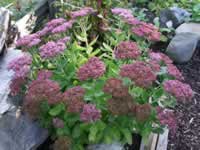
x: 187, y: 135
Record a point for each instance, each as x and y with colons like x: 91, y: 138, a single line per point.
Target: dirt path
x: 187, y: 136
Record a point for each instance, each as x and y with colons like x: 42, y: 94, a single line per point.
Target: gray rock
x: 53, y: 9
x: 181, y: 14
x: 4, y: 26
x: 114, y: 146
x: 175, y: 15
x: 20, y: 133
x: 6, y: 77
x: 182, y: 47
x: 189, y: 27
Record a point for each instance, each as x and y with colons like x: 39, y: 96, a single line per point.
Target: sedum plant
x: 90, y: 83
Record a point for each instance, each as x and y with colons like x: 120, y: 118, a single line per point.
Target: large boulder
x: 173, y: 17
x: 189, y: 27
x: 5, y: 78
x: 4, y: 26
x: 20, y: 133
x: 182, y: 47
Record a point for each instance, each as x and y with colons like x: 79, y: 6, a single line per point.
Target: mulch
x: 187, y: 136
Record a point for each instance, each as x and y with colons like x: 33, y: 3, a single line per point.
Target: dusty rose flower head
x: 121, y: 105
x: 58, y: 123
x: 38, y: 91
x: 139, y: 72
x: 143, y: 112
x: 63, y: 27
x: 55, y: 22
x: 16, y: 85
x: 51, y: 49
x: 160, y: 57
x: 90, y: 113
x: 167, y: 117
x: 73, y: 98
x: 174, y: 72
x: 82, y: 12
x: 127, y: 50
x: 126, y: 15
x: 178, y: 89
x: 21, y: 66
x: 154, y: 65
x: 28, y: 40
x: 93, y: 69
x: 34, y: 42
x: 46, y: 30
x: 62, y: 143
x: 64, y: 40
x: 44, y: 74
x: 146, y: 30
x: 115, y: 87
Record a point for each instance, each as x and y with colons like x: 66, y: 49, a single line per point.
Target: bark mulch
x: 187, y: 136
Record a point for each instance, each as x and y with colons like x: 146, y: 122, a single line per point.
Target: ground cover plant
x: 89, y: 77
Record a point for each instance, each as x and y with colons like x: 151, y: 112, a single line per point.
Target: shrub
x: 91, y: 87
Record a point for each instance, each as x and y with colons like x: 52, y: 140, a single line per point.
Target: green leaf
x: 76, y: 132
x: 108, y: 138
x: 93, y: 133
x: 57, y: 110
x: 127, y: 134
x: 82, y: 39
x: 63, y: 131
x: 93, y: 41
x: 107, y: 47
x: 127, y: 81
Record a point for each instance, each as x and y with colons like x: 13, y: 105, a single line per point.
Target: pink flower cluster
x: 51, y: 49
x: 21, y: 66
x: 94, y: 68
x: 73, y: 98
x: 167, y: 117
x: 44, y: 31
x: 29, y: 40
x: 143, y: 112
x: 115, y: 87
x: 54, y: 26
x: 160, y: 57
x: 124, y: 13
x: 44, y: 74
x: 178, y: 89
x: 90, y: 113
x: 64, y: 40
x: 58, y: 123
x: 82, y: 12
x: 44, y: 89
x: 155, y: 66
x: 140, y: 28
x: 174, y: 72
x: 16, y: 85
x: 171, y: 69
x: 63, y: 27
x: 38, y: 92
x: 55, y: 22
x: 148, y: 31
x: 139, y: 72
x: 127, y: 50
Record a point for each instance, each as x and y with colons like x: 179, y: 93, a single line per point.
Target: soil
x: 187, y: 136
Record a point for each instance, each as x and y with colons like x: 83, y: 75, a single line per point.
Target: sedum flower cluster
x: 127, y: 49
x: 139, y: 72
x: 94, y: 68
x: 139, y: 28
